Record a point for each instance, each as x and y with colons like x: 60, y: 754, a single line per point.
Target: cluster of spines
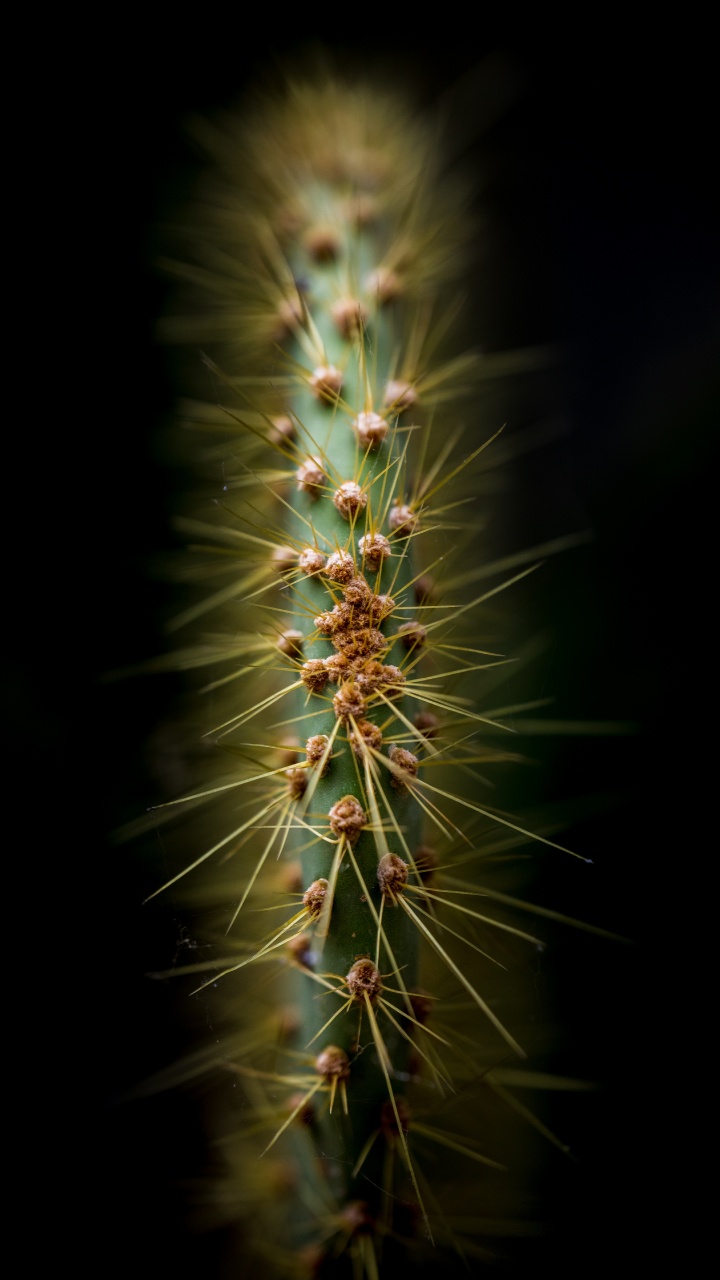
x: 343, y: 556
x: 356, y: 691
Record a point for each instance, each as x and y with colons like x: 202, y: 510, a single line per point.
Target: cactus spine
x: 328, y: 270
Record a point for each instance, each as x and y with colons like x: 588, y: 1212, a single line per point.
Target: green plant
x: 355, y: 692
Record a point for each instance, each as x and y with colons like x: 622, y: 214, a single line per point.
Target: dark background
x: 598, y: 183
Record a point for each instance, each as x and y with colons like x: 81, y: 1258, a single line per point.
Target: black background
x: 600, y: 192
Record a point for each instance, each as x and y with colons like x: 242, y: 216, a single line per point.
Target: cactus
x: 358, y: 971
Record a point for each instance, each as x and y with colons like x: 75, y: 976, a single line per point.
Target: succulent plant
x: 362, y: 923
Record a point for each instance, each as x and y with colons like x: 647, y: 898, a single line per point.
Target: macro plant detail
x: 347, y: 633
